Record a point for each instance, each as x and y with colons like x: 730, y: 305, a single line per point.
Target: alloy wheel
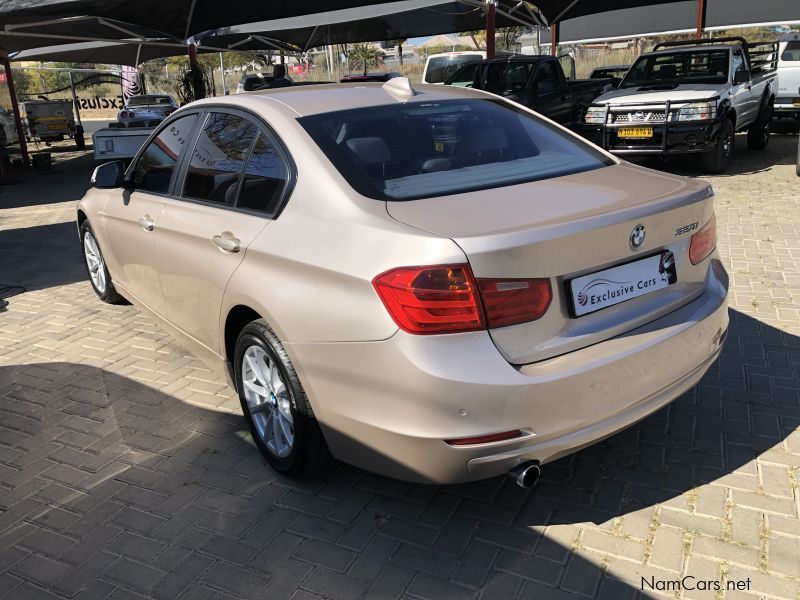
x: 94, y: 261
x: 268, y: 401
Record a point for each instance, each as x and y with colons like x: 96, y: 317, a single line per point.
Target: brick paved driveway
x: 126, y: 472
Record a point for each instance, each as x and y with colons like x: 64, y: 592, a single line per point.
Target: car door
x: 549, y: 96
x: 743, y: 93
x: 130, y: 221
x: 231, y: 184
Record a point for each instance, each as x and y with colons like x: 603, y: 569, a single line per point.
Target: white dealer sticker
x: 605, y: 288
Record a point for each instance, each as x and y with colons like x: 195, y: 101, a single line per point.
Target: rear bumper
x: 387, y: 406
x: 668, y: 139
x: 785, y: 108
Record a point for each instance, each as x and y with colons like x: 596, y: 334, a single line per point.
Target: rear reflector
x: 428, y: 300
x: 704, y: 241
x: 485, y: 439
x: 448, y: 299
x: 513, y: 301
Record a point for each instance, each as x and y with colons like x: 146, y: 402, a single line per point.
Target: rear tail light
x: 513, y: 301
x: 485, y: 439
x: 704, y: 241
x: 448, y: 299
x: 439, y: 299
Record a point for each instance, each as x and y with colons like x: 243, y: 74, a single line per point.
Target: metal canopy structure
x: 109, y: 53
x: 397, y: 20
x: 23, y: 36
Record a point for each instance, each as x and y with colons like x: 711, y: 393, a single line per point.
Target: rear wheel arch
x: 237, y: 319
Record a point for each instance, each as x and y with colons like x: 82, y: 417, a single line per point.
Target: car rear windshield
x: 700, y: 66
x: 148, y: 100
x: 792, y: 52
x: 440, y: 69
x: 407, y: 151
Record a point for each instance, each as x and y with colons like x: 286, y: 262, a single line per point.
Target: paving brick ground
x: 126, y: 471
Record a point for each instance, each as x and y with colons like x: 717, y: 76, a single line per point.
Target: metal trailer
x: 48, y: 120
x: 119, y: 143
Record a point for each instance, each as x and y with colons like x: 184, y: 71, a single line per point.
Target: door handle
x: 147, y: 223
x: 226, y: 242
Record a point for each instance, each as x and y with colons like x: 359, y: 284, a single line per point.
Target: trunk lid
x: 568, y: 227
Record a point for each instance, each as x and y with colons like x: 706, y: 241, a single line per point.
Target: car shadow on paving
x: 782, y: 150
x: 41, y: 257
x: 65, y: 181
x: 106, y: 483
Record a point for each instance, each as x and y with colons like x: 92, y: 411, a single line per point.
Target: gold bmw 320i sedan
x: 435, y: 284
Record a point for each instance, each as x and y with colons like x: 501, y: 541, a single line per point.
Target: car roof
x: 332, y: 97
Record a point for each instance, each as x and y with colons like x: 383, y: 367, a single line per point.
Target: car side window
x: 546, y: 79
x: 738, y: 61
x: 157, y: 162
x: 218, y: 158
x: 265, y: 177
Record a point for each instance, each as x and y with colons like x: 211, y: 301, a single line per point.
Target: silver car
x: 147, y: 110
x: 435, y: 284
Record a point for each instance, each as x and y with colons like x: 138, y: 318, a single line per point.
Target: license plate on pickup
x: 635, y: 132
x: 57, y: 125
x: 602, y: 289
x: 796, y: 102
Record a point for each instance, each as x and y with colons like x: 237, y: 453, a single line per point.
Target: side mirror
x: 109, y: 175
x: 741, y: 76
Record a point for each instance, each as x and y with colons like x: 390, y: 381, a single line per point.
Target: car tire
x: 96, y: 267
x: 716, y: 161
x: 758, y: 133
x: 275, y: 405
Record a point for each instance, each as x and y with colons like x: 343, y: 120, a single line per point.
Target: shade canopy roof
x: 178, y: 18
x: 397, y: 20
x: 183, y: 18
x: 675, y: 16
x: 107, y: 53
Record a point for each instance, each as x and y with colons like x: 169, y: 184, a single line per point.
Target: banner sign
x: 130, y: 83
x: 98, y: 103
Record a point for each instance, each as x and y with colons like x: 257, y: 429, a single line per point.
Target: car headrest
x: 369, y: 150
x: 488, y: 139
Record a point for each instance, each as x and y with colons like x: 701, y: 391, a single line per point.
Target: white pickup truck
x: 689, y: 97
x: 787, y: 101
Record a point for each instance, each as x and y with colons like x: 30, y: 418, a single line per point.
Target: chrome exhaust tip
x: 526, y: 475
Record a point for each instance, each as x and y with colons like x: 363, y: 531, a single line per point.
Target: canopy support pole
x: 554, y: 39
x: 23, y: 145
x: 490, y: 14
x: 79, y: 139
x: 222, y: 74
x: 701, y: 18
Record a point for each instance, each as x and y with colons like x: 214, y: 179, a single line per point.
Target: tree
x: 509, y: 36
x: 399, y: 45
x: 364, y: 54
x: 478, y: 37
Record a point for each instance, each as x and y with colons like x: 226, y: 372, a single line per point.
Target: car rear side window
x: 156, y: 164
x: 407, y: 151
x: 792, y: 52
x: 265, y: 177
x: 218, y: 158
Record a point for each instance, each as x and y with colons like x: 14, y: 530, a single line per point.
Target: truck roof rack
x: 762, y: 56
x: 719, y: 40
